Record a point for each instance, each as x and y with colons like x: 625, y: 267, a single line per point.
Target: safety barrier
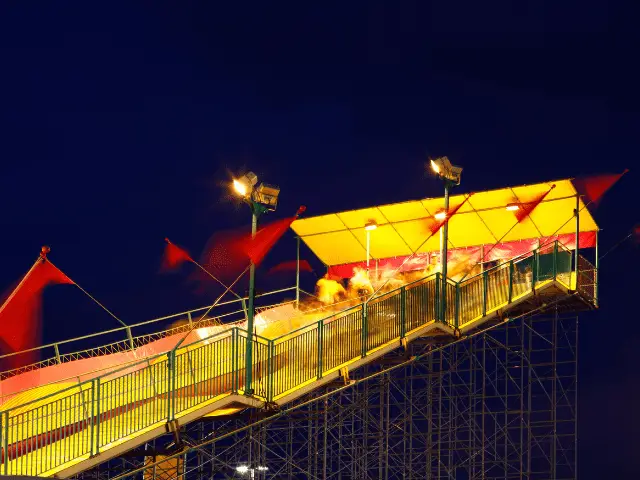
x: 41, y: 436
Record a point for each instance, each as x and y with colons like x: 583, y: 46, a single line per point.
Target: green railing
x: 80, y: 421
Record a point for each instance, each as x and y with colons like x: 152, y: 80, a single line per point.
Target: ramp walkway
x: 74, y: 429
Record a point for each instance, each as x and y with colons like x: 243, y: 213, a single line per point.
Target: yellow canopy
x: 340, y: 238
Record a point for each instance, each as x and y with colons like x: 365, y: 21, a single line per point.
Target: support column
x: 297, y: 272
x: 577, y: 213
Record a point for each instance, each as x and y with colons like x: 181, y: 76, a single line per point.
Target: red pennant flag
x: 258, y: 247
x: 435, y: 225
x: 636, y: 234
x: 20, y: 313
x: 291, y: 266
x: 174, y: 256
x: 595, y: 187
x: 525, y: 208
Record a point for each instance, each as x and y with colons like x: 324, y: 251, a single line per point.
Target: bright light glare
x: 370, y: 227
x: 262, y: 468
x: 239, y: 187
x: 435, y: 167
x: 512, y: 207
x: 441, y: 215
x: 242, y: 468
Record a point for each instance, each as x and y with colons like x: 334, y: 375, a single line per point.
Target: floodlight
x: 370, y: 226
x: 441, y: 215
x: 262, y: 468
x: 244, y: 185
x: 267, y: 195
x: 242, y: 469
x: 443, y: 168
x: 512, y: 207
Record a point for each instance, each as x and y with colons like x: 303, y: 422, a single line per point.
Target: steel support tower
x: 498, y: 404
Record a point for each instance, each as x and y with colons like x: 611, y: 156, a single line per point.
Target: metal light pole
x: 450, y: 175
x: 443, y: 249
x: 261, y: 199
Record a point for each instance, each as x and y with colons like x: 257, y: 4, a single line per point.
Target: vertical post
x: 272, y: 348
x: 248, y: 390
x: 189, y: 318
x: 5, y: 439
x: 98, y: 415
x: 92, y: 419
x: 403, y: 311
x: 320, y: 349
x: 444, y: 239
x: 510, y: 280
x: 130, y: 337
x: 437, y: 299
x: 57, y: 350
x: 297, y: 272
x: 577, y: 213
x: 485, y: 287
x: 555, y: 260
x: 363, y: 350
x: 595, y: 288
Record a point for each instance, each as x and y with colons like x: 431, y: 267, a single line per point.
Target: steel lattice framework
x: 498, y: 404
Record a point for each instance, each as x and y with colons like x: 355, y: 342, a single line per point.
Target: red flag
x: 525, y: 208
x: 595, y: 187
x: 20, y: 313
x: 636, y: 234
x: 435, y: 225
x: 291, y: 266
x: 258, y: 247
x: 174, y: 256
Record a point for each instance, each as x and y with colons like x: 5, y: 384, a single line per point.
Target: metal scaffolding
x: 497, y: 404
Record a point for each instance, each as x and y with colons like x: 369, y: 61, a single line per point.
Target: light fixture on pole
x: 369, y: 227
x: 261, y: 199
x: 450, y: 175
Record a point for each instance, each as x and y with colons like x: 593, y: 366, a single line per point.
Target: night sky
x: 120, y: 126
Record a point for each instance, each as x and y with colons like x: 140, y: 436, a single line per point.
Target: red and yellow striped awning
x: 402, y: 228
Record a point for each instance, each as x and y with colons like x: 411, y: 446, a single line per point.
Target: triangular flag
x: 525, y: 208
x: 20, y: 312
x: 434, y: 224
x: 173, y: 257
x: 596, y: 186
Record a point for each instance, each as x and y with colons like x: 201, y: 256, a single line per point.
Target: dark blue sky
x: 118, y: 126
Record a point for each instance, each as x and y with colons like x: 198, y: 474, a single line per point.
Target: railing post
x: 189, y: 318
x: 234, y: 358
x: 485, y: 278
x: 436, y: 301
x: 171, y: 361
x: 403, y: 312
x: 534, y: 269
x: 511, y: 271
x: 457, y: 307
x: 271, y: 346
x: 97, y: 415
x: 130, y: 337
x: 555, y: 259
x: 57, y: 351
x: 363, y: 351
x: 320, y: 347
x: 596, y: 273
x: 5, y: 440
